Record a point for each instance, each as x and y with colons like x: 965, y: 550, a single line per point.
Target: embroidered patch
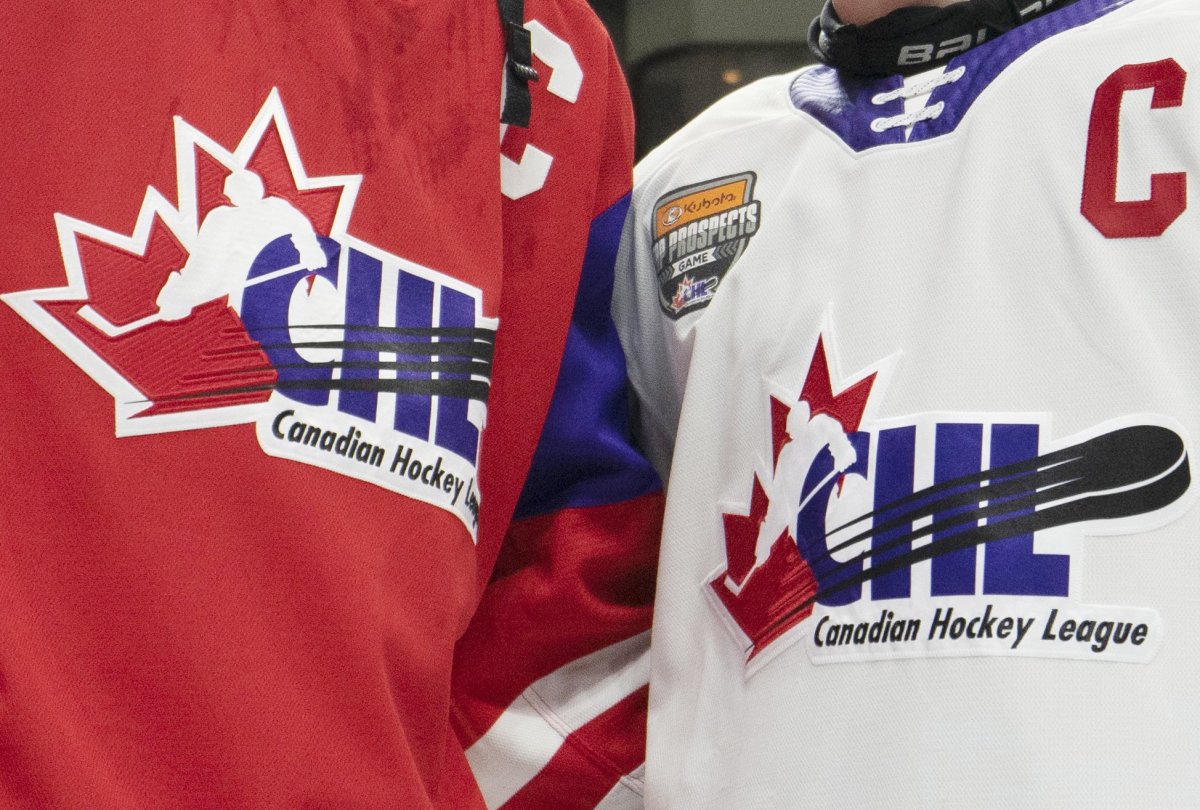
x: 937, y: 534
x: 699, y: 232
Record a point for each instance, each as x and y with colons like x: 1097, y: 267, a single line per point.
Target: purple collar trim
x: 843, y: 103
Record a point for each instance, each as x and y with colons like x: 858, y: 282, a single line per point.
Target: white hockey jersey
x: 921, y: 358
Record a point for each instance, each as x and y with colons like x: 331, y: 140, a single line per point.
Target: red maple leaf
x: 741, y: 534
x: 207, y: 358
x: 122, y: 286
x: 779, y: 433
x: 780, y: 592
x: 681, y: 293
x: 778, y: 596
x: 846, y: 407
x: 210, y: 184
x: 270, y: 163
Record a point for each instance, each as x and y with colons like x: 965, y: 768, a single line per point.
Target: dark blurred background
x: 682, y: 55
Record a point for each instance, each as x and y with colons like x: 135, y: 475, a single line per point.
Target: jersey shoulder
x: 754, y: 105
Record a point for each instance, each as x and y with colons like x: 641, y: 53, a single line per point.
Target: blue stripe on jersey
x: 585, y: 456
x: 843, y: 103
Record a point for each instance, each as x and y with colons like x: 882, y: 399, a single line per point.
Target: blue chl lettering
x: 958, y: 452
x: 265, y: 314
x: 897, y: 452
x: 414, y: 308
x: 810, y: 526
x: 364, y: 281
x: 454, y: 432
x: 1009, y: 565
x: 423, y: 307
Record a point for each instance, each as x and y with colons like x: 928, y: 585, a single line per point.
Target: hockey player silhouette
x: 808, y: 436
x: 229, y: 240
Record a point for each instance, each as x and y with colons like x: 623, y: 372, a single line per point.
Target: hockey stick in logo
x: 1128, y: 472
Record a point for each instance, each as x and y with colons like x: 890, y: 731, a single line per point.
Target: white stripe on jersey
x: 532, y: 730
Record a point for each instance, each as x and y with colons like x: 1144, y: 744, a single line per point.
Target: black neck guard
x: 913, y: 39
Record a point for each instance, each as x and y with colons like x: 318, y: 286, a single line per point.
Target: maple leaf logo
x: 682, y: 294
x: 768, y: 587
x: 194, y: 363
x: 249, y: 302
x: 693, y: 291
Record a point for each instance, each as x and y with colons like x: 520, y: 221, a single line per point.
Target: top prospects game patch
x: 699, y: 232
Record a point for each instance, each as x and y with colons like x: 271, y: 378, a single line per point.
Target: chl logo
x: 988, y: 508
x: 250, y: 303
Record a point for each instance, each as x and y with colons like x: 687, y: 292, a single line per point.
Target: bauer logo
x: 699, y: 232
x: 250, y: 303
x: 946, y: 534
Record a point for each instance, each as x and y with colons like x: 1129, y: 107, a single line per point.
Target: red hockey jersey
x: 281, y: 333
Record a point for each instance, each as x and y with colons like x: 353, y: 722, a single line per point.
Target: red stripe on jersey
x: 568, y: 584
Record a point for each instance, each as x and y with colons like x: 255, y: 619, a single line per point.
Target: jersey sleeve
x: 550, y: 690
x: 658, y: 347
x: 688, y: 225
